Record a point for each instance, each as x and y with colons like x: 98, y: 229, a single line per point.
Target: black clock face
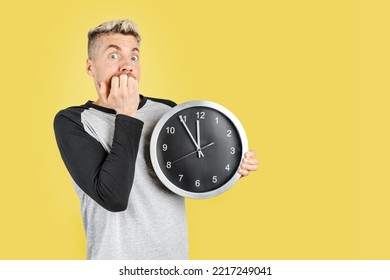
x: 198, y: 149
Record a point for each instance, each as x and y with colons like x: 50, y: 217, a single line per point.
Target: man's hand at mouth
x: 123, y: 96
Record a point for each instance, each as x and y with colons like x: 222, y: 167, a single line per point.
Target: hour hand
x: 200, y: 154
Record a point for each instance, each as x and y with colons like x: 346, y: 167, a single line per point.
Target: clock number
x: 180, y: 177
x: 216, y: 120
x: 200, y: 115
x: 197, y: 183
x: 232, y: 150
x: 229, y: 133
x: 184, y: 119
x: 168, y: 165
x: 215, y: 179
x: 170, y: 130
x: 227, y: 167
x: 165, y: 147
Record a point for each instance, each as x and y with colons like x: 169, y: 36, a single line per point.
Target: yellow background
x: 309, y: 80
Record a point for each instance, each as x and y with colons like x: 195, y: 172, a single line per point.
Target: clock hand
x: 198, y: 137
x: 204, y: 147
x: 192, y: 138
x: 208, y: 145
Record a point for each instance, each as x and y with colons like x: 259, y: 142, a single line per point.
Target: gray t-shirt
x: 127, y: 212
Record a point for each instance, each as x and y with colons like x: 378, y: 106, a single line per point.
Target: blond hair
x: 118, y: 26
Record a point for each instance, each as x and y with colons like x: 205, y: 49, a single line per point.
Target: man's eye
x: 134, y: 58
x: 113, y: 56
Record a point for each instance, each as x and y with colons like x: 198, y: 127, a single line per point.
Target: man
x: 105, y: 147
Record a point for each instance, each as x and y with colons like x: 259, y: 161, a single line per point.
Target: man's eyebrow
x: 114, y: 46
x: 119, y: 49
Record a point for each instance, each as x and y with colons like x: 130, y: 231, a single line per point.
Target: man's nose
x: 126, y: 66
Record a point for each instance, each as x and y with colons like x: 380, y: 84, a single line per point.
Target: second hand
x: 204, y: 147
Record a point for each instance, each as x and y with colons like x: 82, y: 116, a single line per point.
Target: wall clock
x: 196, y: 149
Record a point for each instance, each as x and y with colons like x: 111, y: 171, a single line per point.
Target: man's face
x: 115, y: 54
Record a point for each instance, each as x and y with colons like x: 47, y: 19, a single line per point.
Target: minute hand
x: 198, y: 136
x: 192, y: 138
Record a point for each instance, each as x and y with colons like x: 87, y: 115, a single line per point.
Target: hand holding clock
x: 249, y: 163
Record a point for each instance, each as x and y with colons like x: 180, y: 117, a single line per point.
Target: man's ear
x: 89, y: 68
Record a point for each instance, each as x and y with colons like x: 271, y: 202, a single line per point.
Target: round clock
x: 196, y: 149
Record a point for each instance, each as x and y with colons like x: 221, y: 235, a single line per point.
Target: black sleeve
x: 106, y: 177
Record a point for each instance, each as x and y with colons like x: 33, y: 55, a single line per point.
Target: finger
x: 249, y: 167
x: 130, y: 82
x: 243, y: 172
x: 123, y: 81
x: 250, y: 154
x: 114, y: 85
x: 132, y: 85
x: 135, y: 87
x: 250, y: 161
